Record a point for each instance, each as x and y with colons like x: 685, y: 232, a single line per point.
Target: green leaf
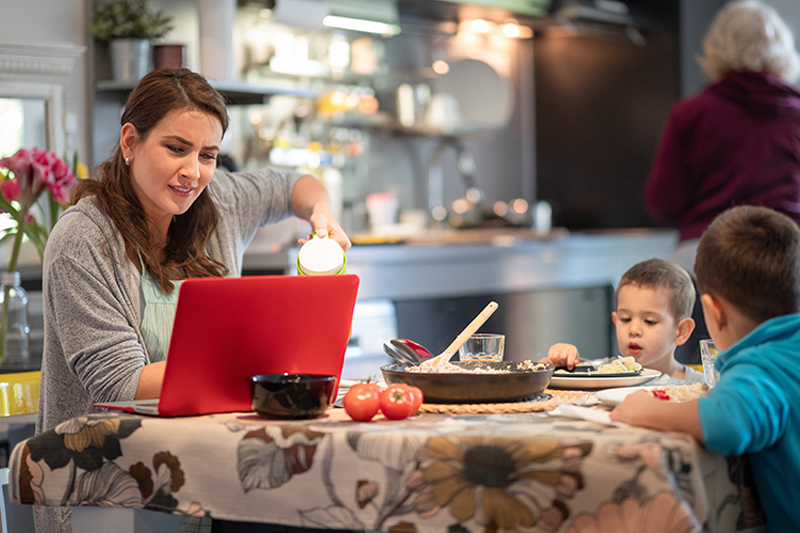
x: 8, y: 208
x: 32, y: 231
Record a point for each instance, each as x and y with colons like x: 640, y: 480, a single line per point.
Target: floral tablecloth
x: 431, y: 473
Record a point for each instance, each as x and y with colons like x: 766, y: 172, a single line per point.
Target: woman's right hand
x: 562, y: 354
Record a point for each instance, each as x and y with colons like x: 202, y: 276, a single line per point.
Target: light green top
x: 158, y: 317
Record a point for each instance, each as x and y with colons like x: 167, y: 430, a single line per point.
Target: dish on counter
x: 512, y: 384
x: 605, y: 381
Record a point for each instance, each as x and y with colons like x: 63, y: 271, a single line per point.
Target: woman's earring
x: 127, y: 161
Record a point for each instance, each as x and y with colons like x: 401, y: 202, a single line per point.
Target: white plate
x: 616, y: 396
x: 470, y: 81
x: 571, y: 382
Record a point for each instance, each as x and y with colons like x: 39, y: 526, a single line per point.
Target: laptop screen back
x: 229, y: 329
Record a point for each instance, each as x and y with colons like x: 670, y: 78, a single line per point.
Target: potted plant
x: 129, y: 26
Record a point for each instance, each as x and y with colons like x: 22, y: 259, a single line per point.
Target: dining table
x: 451, y: 468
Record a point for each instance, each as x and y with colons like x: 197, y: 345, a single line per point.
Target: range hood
x: 314, y: 14
x: 602, y: 19
x: 528, y: 8
x: 535, y: 13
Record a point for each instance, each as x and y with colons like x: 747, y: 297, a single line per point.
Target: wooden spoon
x: 471, y: 328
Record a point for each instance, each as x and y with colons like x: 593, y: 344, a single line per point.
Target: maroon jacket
x: 737, y: 142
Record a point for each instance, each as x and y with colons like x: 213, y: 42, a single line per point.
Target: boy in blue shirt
x: 748, y: 274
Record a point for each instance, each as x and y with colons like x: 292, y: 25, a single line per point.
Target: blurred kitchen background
x: 474, y: 150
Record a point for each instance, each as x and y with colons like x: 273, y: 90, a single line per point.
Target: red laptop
x: 229, y: 329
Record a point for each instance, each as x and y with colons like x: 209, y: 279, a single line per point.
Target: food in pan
x: 450, y: 368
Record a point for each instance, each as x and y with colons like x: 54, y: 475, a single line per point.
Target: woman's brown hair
x: 185, y: 252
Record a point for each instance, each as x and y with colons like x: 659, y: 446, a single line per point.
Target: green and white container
x: 321, y: 256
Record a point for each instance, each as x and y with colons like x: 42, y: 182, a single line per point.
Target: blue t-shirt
x: 755, y: 409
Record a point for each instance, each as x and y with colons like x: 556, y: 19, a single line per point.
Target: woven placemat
x: 554, y: 399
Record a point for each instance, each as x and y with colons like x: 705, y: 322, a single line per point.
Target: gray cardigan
x: 93, y: 349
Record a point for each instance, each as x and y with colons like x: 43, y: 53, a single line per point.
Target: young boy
x: 655, y: 299
x: 748, y: 274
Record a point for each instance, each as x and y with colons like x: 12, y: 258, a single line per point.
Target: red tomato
x: 396, y: 402
x: 418, y: 396
x: 362, y: 401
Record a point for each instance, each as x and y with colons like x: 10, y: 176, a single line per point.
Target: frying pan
x: 513, y: 386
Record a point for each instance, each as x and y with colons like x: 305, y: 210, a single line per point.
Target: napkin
x: 585, y: 413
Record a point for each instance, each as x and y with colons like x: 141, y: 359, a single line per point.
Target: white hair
x: 749, y: 36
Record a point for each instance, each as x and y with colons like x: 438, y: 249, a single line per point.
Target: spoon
x: 406, y: 350
x: 471, y: 328
x: 397, y: 356
x: 421, y: 351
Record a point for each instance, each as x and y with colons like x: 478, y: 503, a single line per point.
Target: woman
x: 738, y: 141
x: 160, y: 212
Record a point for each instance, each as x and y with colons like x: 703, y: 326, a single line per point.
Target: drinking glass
x: 483, y: 347
x: 708, y: 352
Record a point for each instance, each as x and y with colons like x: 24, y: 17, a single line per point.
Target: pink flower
x: 19, y: 164
x: 36, y: 170
x: 31, y: 173
x: 11, y: 190
x: 53, y: 173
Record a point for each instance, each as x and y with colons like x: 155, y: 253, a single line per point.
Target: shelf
x: 235, y: 92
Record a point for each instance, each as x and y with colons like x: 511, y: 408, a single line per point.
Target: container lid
x: 320, y: 255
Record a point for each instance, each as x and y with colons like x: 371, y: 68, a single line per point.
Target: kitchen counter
x: 503, y: 262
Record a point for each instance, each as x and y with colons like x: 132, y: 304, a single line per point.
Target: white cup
x: 382, y: 209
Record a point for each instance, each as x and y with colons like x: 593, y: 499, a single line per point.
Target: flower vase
x: 14, y: 330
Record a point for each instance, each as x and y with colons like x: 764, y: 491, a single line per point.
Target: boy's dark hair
x: 659, y: 274
x: 750, y: 256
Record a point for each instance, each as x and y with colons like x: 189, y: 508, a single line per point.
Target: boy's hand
x: 635, y: 408
x: 562, y: 354
x: 643, y: 409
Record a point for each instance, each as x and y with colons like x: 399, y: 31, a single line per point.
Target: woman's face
x: 172, y: 166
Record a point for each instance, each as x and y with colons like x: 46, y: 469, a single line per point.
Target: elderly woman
x: 738, y: 141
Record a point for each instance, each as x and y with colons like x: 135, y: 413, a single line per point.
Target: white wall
x: 790, y: 11
x: 55, y: 21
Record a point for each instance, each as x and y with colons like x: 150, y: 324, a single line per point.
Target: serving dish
x: 511, y: 386
x: 601, y: 381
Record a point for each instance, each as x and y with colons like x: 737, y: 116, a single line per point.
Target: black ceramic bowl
x: 286, y: 396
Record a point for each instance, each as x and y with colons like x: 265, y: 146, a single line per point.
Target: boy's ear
x: 685, y: 329
x: 614, y: 318
x: 713, y: 312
